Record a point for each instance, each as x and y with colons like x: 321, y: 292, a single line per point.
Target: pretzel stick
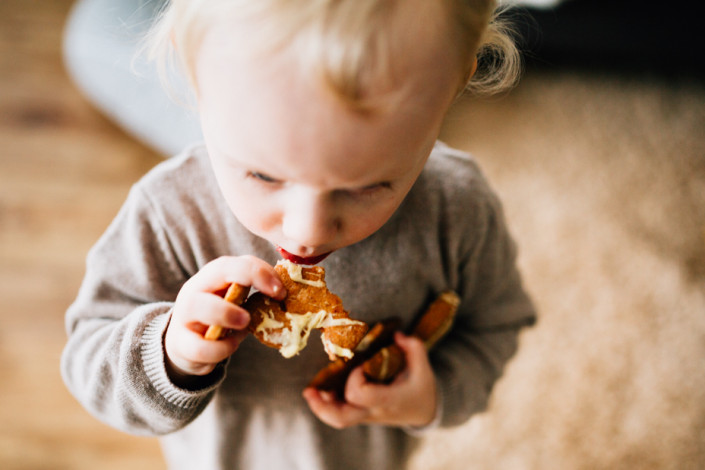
x: 236, y: 294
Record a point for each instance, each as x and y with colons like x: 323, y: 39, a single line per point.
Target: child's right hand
x: 199, y: 305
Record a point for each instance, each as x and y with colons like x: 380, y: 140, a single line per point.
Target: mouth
x: 311, y: 260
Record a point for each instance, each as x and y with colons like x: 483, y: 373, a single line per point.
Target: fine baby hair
x: 348, y: 42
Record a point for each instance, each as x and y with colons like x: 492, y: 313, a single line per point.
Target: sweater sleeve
x: 114, y: 361
x: 493, y: 310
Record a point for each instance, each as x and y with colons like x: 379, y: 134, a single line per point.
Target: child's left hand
x: 410, y: 400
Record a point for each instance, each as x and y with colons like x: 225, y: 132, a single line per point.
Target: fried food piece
x: 332, y: 378
x: 308, y: 305
x: 437, y: 319
x: 381, y: 359
x: 384, y: 366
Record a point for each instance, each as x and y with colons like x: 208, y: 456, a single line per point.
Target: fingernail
x: 277, y: 288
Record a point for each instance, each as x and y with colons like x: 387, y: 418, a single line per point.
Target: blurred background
x: 598, y: 154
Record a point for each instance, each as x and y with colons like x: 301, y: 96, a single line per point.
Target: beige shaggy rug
x: 603, y: 179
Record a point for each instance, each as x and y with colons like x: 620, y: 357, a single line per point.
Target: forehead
x: 376, y: 41
x: 273, y: 110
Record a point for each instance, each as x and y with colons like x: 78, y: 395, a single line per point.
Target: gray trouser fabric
x: 101, y: 44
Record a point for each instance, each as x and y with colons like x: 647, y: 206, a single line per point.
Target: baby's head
x: 347, y: 41
x: 319, y: 115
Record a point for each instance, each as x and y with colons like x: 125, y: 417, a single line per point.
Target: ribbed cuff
x: 154, y: 361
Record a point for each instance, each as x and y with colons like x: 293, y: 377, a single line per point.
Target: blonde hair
x: 345, y: 39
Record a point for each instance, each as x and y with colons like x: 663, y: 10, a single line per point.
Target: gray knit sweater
x: 449, y: 233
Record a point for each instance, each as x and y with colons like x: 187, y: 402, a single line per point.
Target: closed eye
x: 262, y: 177
x: 372, y: 189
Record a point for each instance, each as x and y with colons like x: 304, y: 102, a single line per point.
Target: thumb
x: 413, y: 349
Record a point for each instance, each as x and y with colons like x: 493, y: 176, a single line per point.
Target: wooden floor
x: 603, y: 180
x: 64, y: 171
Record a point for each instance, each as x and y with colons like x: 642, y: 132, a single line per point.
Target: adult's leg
x: 101, y: 42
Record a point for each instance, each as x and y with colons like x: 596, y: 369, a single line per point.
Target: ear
x: 470, y: 72
x: 466, y: 79
x: 473, y: 69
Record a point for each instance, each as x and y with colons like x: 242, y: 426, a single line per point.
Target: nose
x: 311, y: 219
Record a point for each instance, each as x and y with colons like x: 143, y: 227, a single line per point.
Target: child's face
x: 297, y: 166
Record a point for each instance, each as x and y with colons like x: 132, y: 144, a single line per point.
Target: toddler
x: 320, y: 120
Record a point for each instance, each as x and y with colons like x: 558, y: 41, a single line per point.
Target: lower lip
x: 301, y: 260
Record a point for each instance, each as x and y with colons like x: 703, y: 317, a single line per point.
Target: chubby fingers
x: 200, y: 309
x: 362, y: 392
x: 417, y: 363
x: 409, y: 400
x: 218, y: 274
x: 333, y: 412
x: 188, y: 353
x: 200, y: 301
x: 200, y: 304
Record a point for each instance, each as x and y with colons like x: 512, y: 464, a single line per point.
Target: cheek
x: 251, y: 212
x: 365, y: 223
